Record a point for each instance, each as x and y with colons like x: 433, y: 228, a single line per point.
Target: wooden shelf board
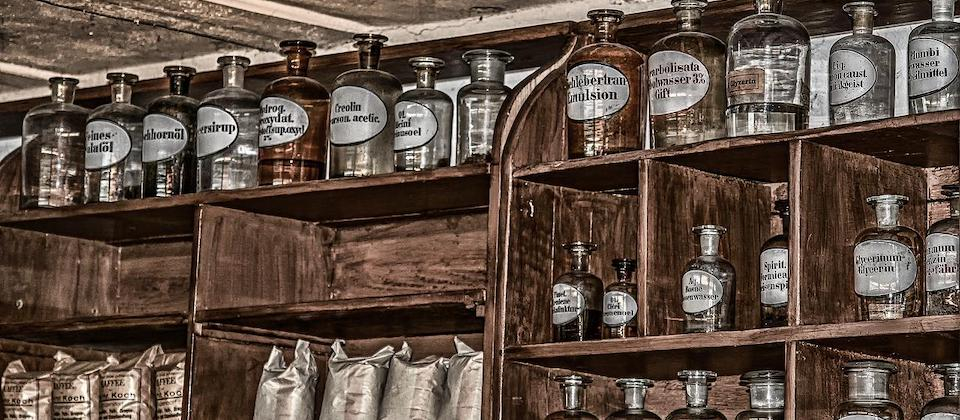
x: 114, y: 333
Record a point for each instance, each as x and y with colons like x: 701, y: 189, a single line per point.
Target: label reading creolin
x: 416, y: 126
x: 281, y: 121
x: 107, y: 144
x: 701, y: 291
x: 774, y: 276
x: 746, y: 82
x: 619, y: 309
x: 852, y: 75
x: 163, y: 137
x: 568, y: 304
x: 932, y: 66
x: 883, y: 267
x: 941, y: 261
x: 216, y: 130
x: 678, y: 81
x: 357, y: 115
x: 595, y: 90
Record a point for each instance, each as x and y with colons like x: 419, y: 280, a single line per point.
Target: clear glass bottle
x: 634, y: 396
x: 577, y: 298
x: 946, y: 407
x: 423, y: 135
x: 113, y: 162
x: 52, y: 158
x: 708, y: 286
x: 767, y: 391
x: 574, y: 388
x: 478, y: 104
x: 932, y: 62
x: 170, y: 138
x: 775, y: 272
x: 863, y: 68
x: 688, y: 73
x: 228, y: 131
x: 768, y: 73
x: 620, y: 302
x: 361, y: 121
x: 943, y: 288
x: 867, y: 392
x: 606, y: 93
x: 294, y: 116
x: 697, y: 386
x: 886, y: 260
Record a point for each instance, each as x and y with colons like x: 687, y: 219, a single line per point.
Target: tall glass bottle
x: 767, y: 391
x: 113, y: 161
x: 886, y: 260
x: 688, y: 81
x: 708, y: 286
x: 634, y: 394
x: 863, y: 68
x: 606, y: 94
x: 620, y: 302
x: 775, y: 272
x: 867, y: 392
x: 294, y: 115
x: 574, y: 388
x: 768, y: 73
x: 423, y: 135
x: 169, y: 138
x: 932, y: 62
x: 228, y: 131
x: 52, y: 153
x: 943, y: 289
x: 478, y: 104
x: 697, y: 386
x: 577, y: 298
x: 946, y: 407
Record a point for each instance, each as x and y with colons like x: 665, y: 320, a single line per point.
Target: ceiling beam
x: 294, y: 14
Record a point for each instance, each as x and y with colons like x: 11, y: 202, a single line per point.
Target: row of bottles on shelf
x: 891, y: 271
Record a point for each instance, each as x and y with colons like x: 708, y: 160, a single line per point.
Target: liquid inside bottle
x: 767, y: 391
x: 574, y: 387
x: 620, y: 302
x: 775, y: 272
x: 479, y: 103
x: 634, y: 396
x: 943, y: 289
x: 863, y: 68
x: 113, y: 160
x: 946, y: 407
x: 423, y: 135
x: 708, y: 286
x: 697, y: 387
x: 932, y: 62
x: 577, y: 298
x: 169, y: 138
x: 867, y: 392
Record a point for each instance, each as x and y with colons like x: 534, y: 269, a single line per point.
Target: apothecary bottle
x: 620, y: 302
x: 708, y: 285
x: 932, y: 61
x: 479, y: 103
x: 169, y: 138
x: 946, y: 407
x: 294, y: 114
x: 775, y: 272
x: 697, y: 386
x: 574, y: 390
x: 768, y: 73
x: 863, y: 68
x: 52, y: 153
x: 767, y: 390
x: 943, y: 289
x: 113, y: 162
x: 361, y: 115
x: 606, y: 94
x: 423, y: 135
x: 886, y: 262
x: 228, y: 131
x: 867, y: 392
x: 577, y: 298
x: 688, y: 81
x: 634, y: 396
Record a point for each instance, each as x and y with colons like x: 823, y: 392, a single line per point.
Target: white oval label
x: 941, y: 261
x: 932, y: 66
x: 774, y: 276
x: 852, y: 75
x: 618, y: 309
x: 701, y: 291
x: 568, y: 304
x: 356, y: 116
x: 678, y: 81
x: 883, y: 267
x: 107, y: 144
x: 281, y: 121
x: 416, y: 126
x: 163, y: 137
x: 216, y: 130
x: 941, y: 416
x: 595, y: 90
x: 860, y: 417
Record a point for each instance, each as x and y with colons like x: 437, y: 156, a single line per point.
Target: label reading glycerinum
x: 281, y: 121
x: 568, y: 304
x: 595, y: 90
x: 774, y: 275
x: 356, y: 116
x: 416, y: 126
x: 883, y: 267
x: 107, y: 144
x: 941, y: 260
x: 941, y: 416
x: 163, y: 137
x: 169, y: 394
x: 701, y: 291
x: 678, y: 81
x: 852, y: 75
x: 618, y: 309
x: 932, y: 66
x: 746, y: 82
x: 72, y: 397
x: 216, y: 130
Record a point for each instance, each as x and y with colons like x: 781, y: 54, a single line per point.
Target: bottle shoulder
x: 884, y: 409
x: 168, y: 102
x: 938, y: 29
x: 713, y: 264
x: 768, y: 29
x: 776, y: 242
x: 863, y: 42
x: 571, y: 415
x: 57, y: 108
x: 232, y: 96
x: 949, y: 226
x: 579, y: 278
x: 629, y: 414
x: 946, y: 405
x: 688, y: 413
x: 690, y: 42
x: 760, y: 415
x: 425, y: 94
x: 606, y: 52
x: 484, y: 88
x: 901, y: 234
x: 368, y: 78
x: 113, y: 111
x: 296, y: 88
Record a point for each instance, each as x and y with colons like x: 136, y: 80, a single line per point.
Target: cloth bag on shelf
x: 126, y: 390
x: 76, y: 387
x: 26, y: 395
x: 414, y: 390
x: 354, y: 386
x: 287, y: 392
x: 168, y: 375
x: 463, y: 391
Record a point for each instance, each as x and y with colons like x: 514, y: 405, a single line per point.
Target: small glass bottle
x: 863, y: 68
x: 113, y: 161
x: 885, y: 261
x: 606, y: 94
x: 768, y: 73
x: 577, y: 298
x: 423, y: 135
x: 932, y: 62
x: 478, y: 104
x: 294, y: 115
x: 52, y: 158
x: 697, y: 386
x: 775, y: 272
x: 634, y: 396
x: 169, y: 138
x: 767, y: 390
x: 228, y: 131
x: 946, y: 407
x: 688, y: 96
x: 574, y: 388
x: 620, y: 302
x: 868, y: 394
x: 708, y: 286
x: 943, y: 289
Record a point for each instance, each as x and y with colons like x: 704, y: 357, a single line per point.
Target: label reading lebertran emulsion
x: 107, y: 144
x: 618, y: 309
x: 163, y: 137
x: 281, y: 121
x: 852, y: 75
x: 216, y: 130
x: 595, y: 90
x: 932, y: 66
x: 883, y: 267
x: 357, y: 115
x: 774, y: 276
x: 701, y: 291
x: 941, y: 261
x: 678, y: 81
x: 568, y: 304
x: 416, y: 126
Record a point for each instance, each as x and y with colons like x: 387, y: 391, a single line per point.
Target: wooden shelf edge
x: 86, y: 324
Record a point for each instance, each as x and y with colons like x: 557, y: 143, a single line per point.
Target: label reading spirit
x: 883, y: 267
x: 940, y: 416
x: 107, y: 144
x: 163, y: 137
x: 746, y: 82
x: 216, y: 130
x: 281, y: 121
x: 932, y: 66
x: 72, y: 397
x: 595, y: 90
x: 169, y: 394
x: 941, y: 261
x: 618, y: 309
x: 356, y: 116
x: 852, y: 75
x: 120, y: 395
x: 774, y: 275
x: 568, y: 304
x: 416, y: 126
x: 678, y: 81
x: 701, y: 291
x: 21, y: 399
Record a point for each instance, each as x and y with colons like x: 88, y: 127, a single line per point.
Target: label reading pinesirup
x: 169, y: 394
x: 595, y: 90
x: 216, y: 130
x: 568, y: 304
x: 932, y: 66
x: 416, y: 126
x: 356, y: 116
x: 701, y: 291
x: 678, y: 81
x: 107, y: 144
x: 774, y: 276
x: 281, y: 121
x: 941, y: 261
x: 852, y: 75
x: 746, y: 82
x: 619, y: 309
x: 883, y: 267
x: 163, y: 137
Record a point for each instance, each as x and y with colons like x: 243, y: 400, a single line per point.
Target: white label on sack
x: 941, y: 260
x: 416, y: 126
x: 774, y: 276
x: 163, y: 137
x: 852, y: 75
x: 21, y: 398
x: 216, y: 130
x: 701, y: 291
x: 595, y: 90
x: 356, y: 116
x: 120, y: 395
x: 932, y: 66
x: 678, y: 81
x: 72, y: 396
x: 941, y: 416
x: 568, y: 304
x: 883, y: 267
x: 618, y: 309
x: 281, y: 121
x: 169, y: 392
x: 107, y: 144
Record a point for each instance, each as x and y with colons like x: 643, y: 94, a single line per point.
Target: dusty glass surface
x: 932, y: 62
x: 867, y: 392
x: 479, y: 103
x: 863, y: 68
x: 114, y: 136
x: 423, y: 136
x: 228, y: 131
x: 577, y: 297
x: 169, y: 138
x: 708, y: 286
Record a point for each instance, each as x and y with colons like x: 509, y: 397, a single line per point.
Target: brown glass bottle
x: 620, y: 302
x: 775, y: 273
x: 606, y: 93
x: 293, y: 122
x: 577, y: 298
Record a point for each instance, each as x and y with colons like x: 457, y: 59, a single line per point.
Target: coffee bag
x: 414, y: 390
x: 76, y: 387
x: 169, y: 376
x: 354, y: 385
x: 126, y: 390
x: 288, y: 392
x: 463, y: 391
x: 26, y: 395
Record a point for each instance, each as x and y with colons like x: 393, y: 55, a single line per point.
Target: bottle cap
x: 870, y: 365
x: 763, y: 377
x: 625, y: 264
x: 126, y: 78
x: 371, y: 38
x: 707, y: 375
x: 951, y: 190
x: 179, y: 71
x: 709, y: 229
x: 233, y: 60
x: 297, y: 44
x: 63, y: 80
x: 426, y: 63
x: 580, y: 246
x: 487, y: 54
x: 854, y: 5
x: 689, y: 4
x: 887, y: 199
x: 568, y: 380
x: 626, y: 383
x: 605, y: 15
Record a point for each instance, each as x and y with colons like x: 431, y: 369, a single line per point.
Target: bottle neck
x: 863, y: 21
x: 785, y: 221
x: 768, y: 6
x: 767, y: 396
x: 888, y: 215
x: 180, y: 85
x: 943, y: 10
x: 121, y: 93
x: 634, y: 398
x: 572, y: 397
x: 605, y: 31
x: 709, y: 244
x: 689, y: 19
x: 624, y: 276
x: 487, y: 70
x: 581, y: 262
x: 867, y: 386
x: 426, y: 78
x: 697, y: 395
x: 62, y: 93
x: 298, y: 62
x: 233, y: 76
x: 369, y: 56
x: 951, y: 385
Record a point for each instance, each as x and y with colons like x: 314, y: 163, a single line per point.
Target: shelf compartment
x: 112, y: 333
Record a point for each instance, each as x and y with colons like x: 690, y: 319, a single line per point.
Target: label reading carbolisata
x: 932, y: 66
x: 216, y: 130
x: 416, y: 126
x: 701, y: 291
x: 107, y: 144
x: 774, y: 275
x: 357, y: 115
x: 281, y: 121
x: 163, y: 137
x: 619, y: 309
x: 678, y: 81
x: 568, y: 304
x: 746, y: 82
x: 595, y: 90
x: 883, y: 267
x: 941, y: 261
x: 852, y: 75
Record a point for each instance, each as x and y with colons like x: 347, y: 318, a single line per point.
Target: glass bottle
x: 868, y: 396
x: 423, y: 135
x: 943, y: 289
x: 294, y: 113
x: 688, y: 73
x: 228, y: 131
x: 885, y: 260
x: 708, y: 286
x: 360, y: 142
x: 946, y: 407
x: 620, y: 302
x: 169, y: 138
x: 932, y: 62
x: 768, y: 73
x: 52, y: 158
x: 478, y: 104
x: 574, y: 388
x: 767, y: 390
x: 577, y: 298
x: 606, y: 93
x: 634, y: 394
x: 775, y: 272
x: 697, y: 386
x: 863, y: 67
x: 113, y: 161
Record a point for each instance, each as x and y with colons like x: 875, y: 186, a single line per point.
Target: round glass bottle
x: 932, y: 62
x: 708, y: 286
x: 113, y: 161
x: 863, y: 68
x: 943, y: 289
x: 697, y: 386
x: 946, y: 407
x: 479, y: 103
x: 620, y: 302
x: 767, y: 391
x: 867, y: 393
x: 577, y: 298
x: 634, y: 396
x: 574, y: 387
x: 775, y: 272
x: 169, y: 138
x: 423, y: 135
x: 52, y: 152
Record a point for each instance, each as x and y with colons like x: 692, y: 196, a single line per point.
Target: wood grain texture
x: 939, y: 206
x: 39, y: 357
x: 10, y: 182
x: 155, y: 278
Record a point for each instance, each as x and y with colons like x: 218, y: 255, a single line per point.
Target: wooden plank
x: 155, y: 278
x: 39, y: 357
x: 109, y: 333
x: 10, y: 182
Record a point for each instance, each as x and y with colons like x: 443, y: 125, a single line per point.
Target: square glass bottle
x: 946, y: 407
x: 697, y: 386
x: 708, y: 286
x: 577, y: 298
x: 423, y: 135
x: 932, y: 61
x: 574, y: 390
x: 114, y: 134
x: 943, y: 288
x: 169, y: 138
x: 868, y: 395
x: 863, y: 68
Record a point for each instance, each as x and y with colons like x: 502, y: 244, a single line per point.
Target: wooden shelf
x: 115, y: 333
